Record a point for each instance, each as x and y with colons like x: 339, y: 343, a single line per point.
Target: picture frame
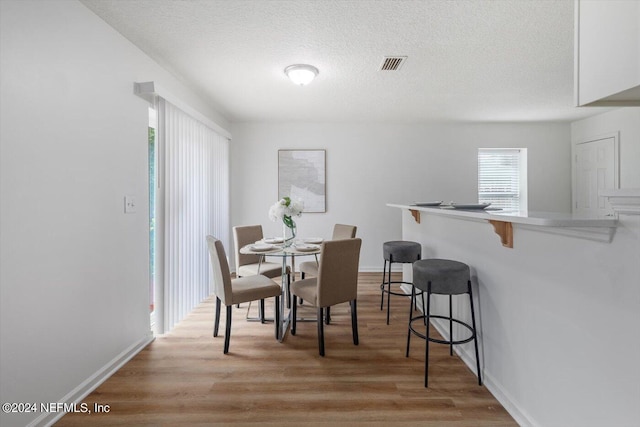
x: 302, y: 175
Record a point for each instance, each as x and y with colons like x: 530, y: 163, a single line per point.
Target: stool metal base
x: 423, y: 336
x: 387, y: 282
x: 450, y: 342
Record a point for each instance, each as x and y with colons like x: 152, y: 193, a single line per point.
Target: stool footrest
x: 402, y: 294
x: 423, y: 336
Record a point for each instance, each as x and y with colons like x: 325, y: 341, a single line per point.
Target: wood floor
x: 183, y: 378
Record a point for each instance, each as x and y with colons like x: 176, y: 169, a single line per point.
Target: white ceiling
x: 468, y: 60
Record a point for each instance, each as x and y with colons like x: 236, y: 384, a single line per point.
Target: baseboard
x: 378, y: 269
x: 488, y: 380
x: 87, y: 386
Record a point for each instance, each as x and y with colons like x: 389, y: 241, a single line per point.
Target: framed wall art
x: 301, y: 175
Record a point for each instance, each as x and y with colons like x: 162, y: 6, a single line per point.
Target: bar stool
x: 443, y: 277
x: 398, y: 251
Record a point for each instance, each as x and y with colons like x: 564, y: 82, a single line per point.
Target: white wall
x: 369, y: 165
x: 74, y: 283
x: 626, y: 121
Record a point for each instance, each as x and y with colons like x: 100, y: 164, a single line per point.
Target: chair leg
x: 328, y: 316
x: 426, y: 359
x: 320, y: 332
x: 354, y: 322
x: 475, y: 334
x: 294, y: 314
x: 423, y: 309
x: 261, y: 311
x: 288, y: 290
x: 384, y: 276
x: 415, y: 303
x: 389, y: 293
x: 450, y: 325
x: 277, y: 317
x: 227, y: 332
x: 216, y: 322
x: 413, y: 297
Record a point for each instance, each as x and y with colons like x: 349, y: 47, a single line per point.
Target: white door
x: 596, y: 167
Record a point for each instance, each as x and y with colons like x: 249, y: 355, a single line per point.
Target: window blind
x: 499, y: 172
x: 194, y: 202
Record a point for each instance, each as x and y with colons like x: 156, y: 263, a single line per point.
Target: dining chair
x: 235, y: 291
x: 340, y: 232
x: 337, y: 282
x: 310, y: 268
x: 249, y: 264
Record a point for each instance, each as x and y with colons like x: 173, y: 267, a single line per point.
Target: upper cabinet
x: 607, y: 53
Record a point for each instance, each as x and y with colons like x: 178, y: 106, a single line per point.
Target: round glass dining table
x: 285, y: 253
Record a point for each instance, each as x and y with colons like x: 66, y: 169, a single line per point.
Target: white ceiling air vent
x: 392, y: 63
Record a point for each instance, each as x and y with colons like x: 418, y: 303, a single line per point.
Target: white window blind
x: 499, y: 178
x: 193, y: 202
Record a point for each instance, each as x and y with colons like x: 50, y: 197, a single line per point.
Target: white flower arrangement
x: 284, y: 209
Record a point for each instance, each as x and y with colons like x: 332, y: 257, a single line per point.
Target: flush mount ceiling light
x: 301, y: 74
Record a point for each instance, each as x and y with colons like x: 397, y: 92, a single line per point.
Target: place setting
x: 306, y: 247
x: 262, y: 247
x: 273, y: 240
x: 308, y: 244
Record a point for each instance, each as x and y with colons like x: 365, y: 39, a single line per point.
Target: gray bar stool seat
x: 443, y: 277
x: 398, y: 251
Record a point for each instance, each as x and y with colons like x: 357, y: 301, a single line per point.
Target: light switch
x: 130, y: 204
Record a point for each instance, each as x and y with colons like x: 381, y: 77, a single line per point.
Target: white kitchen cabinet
x: 607, y: 53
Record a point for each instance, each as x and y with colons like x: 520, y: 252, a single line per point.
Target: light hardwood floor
x: 183, y: 378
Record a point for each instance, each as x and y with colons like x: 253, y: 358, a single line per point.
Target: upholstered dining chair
x: 337, y: 282
x: 340, y: 232
x: 235, y: 291
x: 249, y: 264
x: 310, y: 268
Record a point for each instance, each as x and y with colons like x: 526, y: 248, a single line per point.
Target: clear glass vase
x: 288, y: 233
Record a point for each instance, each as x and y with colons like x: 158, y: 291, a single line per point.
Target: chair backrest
x: 221, y: 274
x: 338, y: 271
x: 342, y: 231
x: 242, y: 236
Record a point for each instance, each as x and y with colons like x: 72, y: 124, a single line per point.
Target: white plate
x: 313, y: 240
x: 261, y: 247
x: 306, y: 248
x: 273, y: 240
x: 470, y: 206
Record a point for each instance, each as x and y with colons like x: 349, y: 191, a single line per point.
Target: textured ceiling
x: 469, y: 60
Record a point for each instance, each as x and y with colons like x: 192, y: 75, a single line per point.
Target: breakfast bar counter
x: 601, y: 229
x: 558, y: 308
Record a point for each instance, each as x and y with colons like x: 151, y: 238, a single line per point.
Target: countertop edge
x: 558, y: 221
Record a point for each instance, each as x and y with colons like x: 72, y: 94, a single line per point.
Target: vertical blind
x: 499, y: 178
x: 194, y: 183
